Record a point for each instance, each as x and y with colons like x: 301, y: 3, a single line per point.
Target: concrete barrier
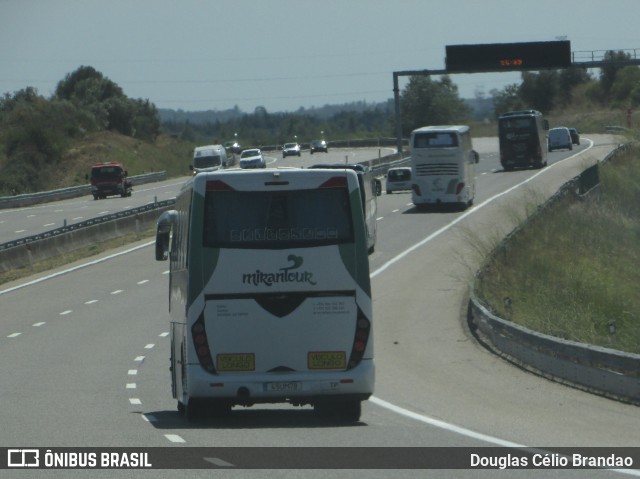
x: 26, y: 254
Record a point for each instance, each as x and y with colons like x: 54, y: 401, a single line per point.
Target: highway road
x: 85, y: 353
x: 19, y: 223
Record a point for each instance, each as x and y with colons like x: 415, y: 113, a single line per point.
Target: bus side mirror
x: 166, y: 222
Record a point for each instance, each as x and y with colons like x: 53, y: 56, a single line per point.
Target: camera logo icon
x: 23, y: 458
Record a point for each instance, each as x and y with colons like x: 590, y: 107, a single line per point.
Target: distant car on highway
x: 575, y: 136
x: 559, y: 139
x: 290, y: 149
x: 398, y: 179
x: 252, y: 158
x: 318, y: 145
x: 233, y: 146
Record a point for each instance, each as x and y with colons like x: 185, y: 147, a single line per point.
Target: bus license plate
x: 236, y: 362
x: 327, y: 360
x: 283, y: 387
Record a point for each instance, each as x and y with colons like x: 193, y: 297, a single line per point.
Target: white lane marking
x: 443, y: 425
x: 19, y: 231
x: 132, y: 372
x: 149, y: 346
x: 143, y: 281
x: 174, y: 438
x: 14, y: 335
x: 41, y: 323
x: 378, y: 219
x: 117, y: 291
x: 75, y: 268
x: 395, y: 211
x: 164, y: 335
x: 139, y: 358
x: 68, y: 311
x: 48, y: 224
x: 135, y: 401
x: 91, y: 301
x: 131, y: 386
x: 149, y: 417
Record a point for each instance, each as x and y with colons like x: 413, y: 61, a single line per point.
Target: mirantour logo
x: 287, y: 274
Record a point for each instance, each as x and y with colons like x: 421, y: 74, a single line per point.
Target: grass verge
x: 572, y: 271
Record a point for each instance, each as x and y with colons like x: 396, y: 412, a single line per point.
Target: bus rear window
x: 435, y: 140
x: 516, y: 123
x: 277, y: 219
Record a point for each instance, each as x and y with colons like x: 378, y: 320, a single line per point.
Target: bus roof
x: 442, y: 128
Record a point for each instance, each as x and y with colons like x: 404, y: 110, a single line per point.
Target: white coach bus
x: 443, y: 166
x: 270, y: 296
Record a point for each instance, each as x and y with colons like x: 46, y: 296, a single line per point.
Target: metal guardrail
x: 19, y: 201
x: 86, y: 224
x: 603, y: 371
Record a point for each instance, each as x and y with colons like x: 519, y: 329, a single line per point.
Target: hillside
x: 165, y: 154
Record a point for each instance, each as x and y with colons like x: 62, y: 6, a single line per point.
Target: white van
x: 443, y: 166
x: 270, y: 294
x: 560, y: 138
x: 209, y: 158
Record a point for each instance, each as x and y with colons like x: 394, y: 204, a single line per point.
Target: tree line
x: 35, y: 131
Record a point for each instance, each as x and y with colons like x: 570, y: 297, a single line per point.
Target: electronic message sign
x: 508, y: 56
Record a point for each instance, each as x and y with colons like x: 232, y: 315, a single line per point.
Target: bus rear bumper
x: 292, y: 387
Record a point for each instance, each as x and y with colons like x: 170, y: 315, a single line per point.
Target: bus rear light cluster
x: 459, y: 188
x: 201, y: 344
x: 360, y: 340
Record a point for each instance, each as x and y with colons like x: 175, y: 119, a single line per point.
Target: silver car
x: 398, y: 179
x: 252, y: 158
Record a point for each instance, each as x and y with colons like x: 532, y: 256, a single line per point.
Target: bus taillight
x: 201, y: 343
x: 360, y: 340
x: 460, y: 187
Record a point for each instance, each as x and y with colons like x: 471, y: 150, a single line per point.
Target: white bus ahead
x: 270, y: 296
x: 443, y: 166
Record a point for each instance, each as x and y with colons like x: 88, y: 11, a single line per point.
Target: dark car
x: 575, y: 136
x: 318, y: 145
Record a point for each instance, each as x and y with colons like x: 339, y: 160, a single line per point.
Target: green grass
x: 574, y: 271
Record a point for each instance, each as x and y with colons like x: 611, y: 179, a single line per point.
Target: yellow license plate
x: 236, y: 362
x: 326, y: 360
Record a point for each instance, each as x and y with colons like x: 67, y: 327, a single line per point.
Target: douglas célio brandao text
x: 549, y: 461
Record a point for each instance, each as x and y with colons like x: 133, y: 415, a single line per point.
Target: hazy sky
x: 283, y: 54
